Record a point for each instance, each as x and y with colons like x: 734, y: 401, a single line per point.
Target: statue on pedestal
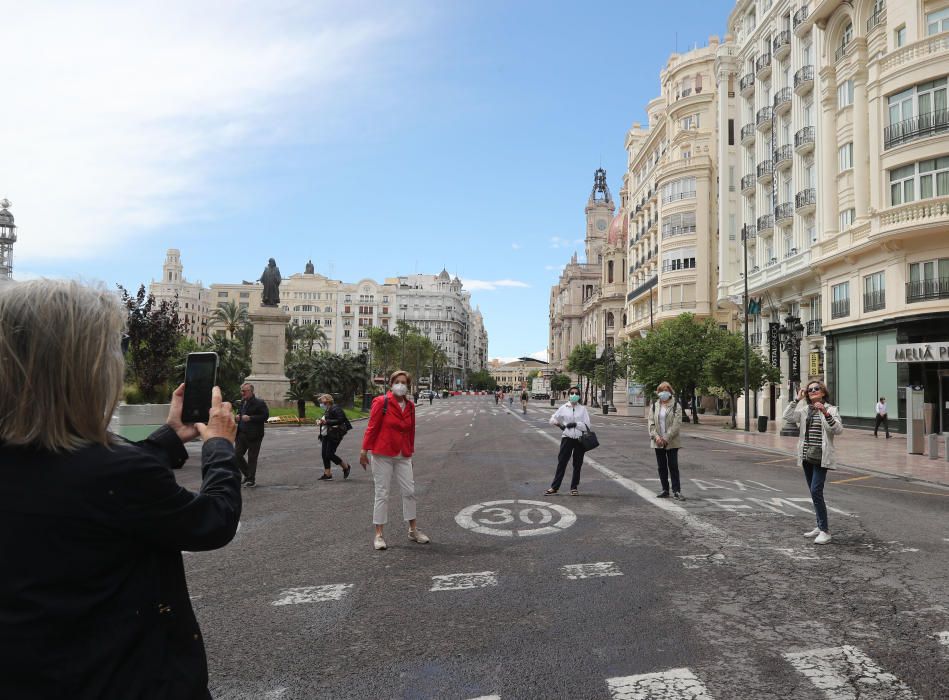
x: 270, y: 278
x: 309, y: 268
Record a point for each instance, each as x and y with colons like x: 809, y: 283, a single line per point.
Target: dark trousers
x: 816, y: 475
x: 668, y: 461
x: 568, y: 446
x: 251, y: 448
x: 330, y: 446
x: 882, y: 418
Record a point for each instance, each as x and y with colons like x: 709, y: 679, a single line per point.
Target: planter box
x: 138, y: 421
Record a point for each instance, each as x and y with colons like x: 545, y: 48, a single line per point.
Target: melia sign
x: 918, y: 352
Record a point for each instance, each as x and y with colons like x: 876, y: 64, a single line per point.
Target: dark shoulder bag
x: 813, y: 453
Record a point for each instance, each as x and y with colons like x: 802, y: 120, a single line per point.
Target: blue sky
x: 377, y: 138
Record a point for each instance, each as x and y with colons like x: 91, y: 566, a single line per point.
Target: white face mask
x: 400, y: 389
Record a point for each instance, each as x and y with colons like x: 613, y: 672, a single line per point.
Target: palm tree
x: 310, y: 335
x: 231, y: 316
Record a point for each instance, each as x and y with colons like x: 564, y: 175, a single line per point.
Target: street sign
x: 516, y: 518
x: 774, y: 344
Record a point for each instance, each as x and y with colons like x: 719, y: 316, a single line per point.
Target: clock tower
x: 599, y: 211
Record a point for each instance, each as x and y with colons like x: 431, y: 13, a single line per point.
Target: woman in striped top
x: 819, y: 422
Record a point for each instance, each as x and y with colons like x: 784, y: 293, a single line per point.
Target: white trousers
x: 382, y: 470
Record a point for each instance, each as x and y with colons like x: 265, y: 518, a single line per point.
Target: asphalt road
x: 612, y: 594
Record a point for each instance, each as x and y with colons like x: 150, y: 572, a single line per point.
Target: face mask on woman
x: 665, y: 395
x: 400, y: 389
x: 574, y: 398
x: 325, y: 406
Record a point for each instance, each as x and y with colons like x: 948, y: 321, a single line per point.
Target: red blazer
x: 392, y: 434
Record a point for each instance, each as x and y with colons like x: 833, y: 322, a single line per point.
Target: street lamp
x: 791, y: 334
x: 744, y: 245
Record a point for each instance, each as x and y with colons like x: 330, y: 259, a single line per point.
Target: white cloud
x: 558, y: 242
x: 516, y: 246
x: 540, y: 355
x: 491, y: 286
x: 130, y: 116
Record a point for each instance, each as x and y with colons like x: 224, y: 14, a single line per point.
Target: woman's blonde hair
x: 667, y: 385
x: 61, y: 364
x: 325, y: 398
x: 408, y: 377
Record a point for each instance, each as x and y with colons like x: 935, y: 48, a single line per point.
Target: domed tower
x: 172, y: 270
x: 614, y: 252
x: 7, y: 239
x: 599, y: 211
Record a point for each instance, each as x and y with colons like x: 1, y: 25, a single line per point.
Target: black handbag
x: 589, y: 441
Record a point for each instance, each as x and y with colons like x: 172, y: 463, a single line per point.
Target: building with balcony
x: 191, y: 298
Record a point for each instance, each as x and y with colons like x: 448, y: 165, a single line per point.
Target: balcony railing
x: 840, y: 308
x: 763, y: 64
x: 747, y: 82
x: 748, y: 133
x: 804, y: 138
x: 782, y: 43
x: 813, y: 327
x: 804, y: 79
x: 749, y: 232
x: 763, y: 117
x: 784, y: 212
x: 670, y: 231
x: 805, y: 198
x: 917, y: 127
x: 748, y: 183
x: 874, y: 301
x: 755, y: 338
x: 924, y: 290
x: 799, y: 17
x: 841, y: 51
x: 782, y: 156
x: 645, y: 286
x: 782, y: 100
x: 765, y: 170
x: 877, y: 18
x: 676, y: 196
x: 766, y: 222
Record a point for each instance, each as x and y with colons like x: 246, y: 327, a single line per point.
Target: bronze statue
x: 309, y: 268
x: 270, y: 278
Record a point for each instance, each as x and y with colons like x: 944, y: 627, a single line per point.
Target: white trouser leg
x: 381, y: 476
x: 406, y: 479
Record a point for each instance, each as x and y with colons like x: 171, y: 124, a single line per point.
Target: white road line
x: 595, y: 570
x: 487, y: 697
x: 943, y: 638
x: 313, y: 594
x: 846, y: 673
x: 461, y: 582
x: 674, y: 684
x: 275, y: 693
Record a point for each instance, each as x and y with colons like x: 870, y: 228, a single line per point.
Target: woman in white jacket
x: 819, y: 422
x: 573, y: 419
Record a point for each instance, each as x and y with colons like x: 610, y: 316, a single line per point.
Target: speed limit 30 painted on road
x: 516, y: 518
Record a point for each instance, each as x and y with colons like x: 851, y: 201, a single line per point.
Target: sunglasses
x: 813, y: 389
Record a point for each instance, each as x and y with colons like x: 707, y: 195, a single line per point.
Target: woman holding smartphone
x: 574, y: 420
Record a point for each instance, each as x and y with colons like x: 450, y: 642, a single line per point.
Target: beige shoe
x: 813, y: 533
x: 822, y: 538
x: 418, y: 536
x: 378, y: 542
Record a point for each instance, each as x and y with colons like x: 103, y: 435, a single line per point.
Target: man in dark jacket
x: 251, y: 417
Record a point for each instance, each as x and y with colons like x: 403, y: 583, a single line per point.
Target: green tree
x: 725, y: 368
x: 383, y: 350
x: 154, y: 331
x: 560, y: 383
x: 482, y: 381
x: 230, y: 316
x: 582, y: 362
x: 233, y: 365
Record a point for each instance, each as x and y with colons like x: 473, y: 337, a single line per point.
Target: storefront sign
x: 918, y: 352
x: 815, y: 367
x: 774, y: 344
x: 794, y: 373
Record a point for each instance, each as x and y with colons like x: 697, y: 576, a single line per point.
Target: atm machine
x: 915, y: 421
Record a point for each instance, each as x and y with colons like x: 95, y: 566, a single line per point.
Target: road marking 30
x: 674, y: 684
x: 516, y: 518
x: 313, y: 594
x: 597, y: 569
x: 461, y: 582
x: 845, y: 673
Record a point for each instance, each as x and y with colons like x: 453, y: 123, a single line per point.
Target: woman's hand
x: 801, y: 394
x: 820, y: 407
x: 221, y: 423
x: 364, y: 459
x: 185, y: 433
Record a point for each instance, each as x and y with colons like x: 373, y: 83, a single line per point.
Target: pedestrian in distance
x: 881, y: 418
x: 665, y: 422
x: 333, y: 427
x: 94, y: 601
x: 431, y: 396
x: 524, y: 397
x: 388, y: 444
x: 510, y: 401
x: 819, y: 422
x: 574, y: 420
x: 251, y: 417
x: 497, y: 397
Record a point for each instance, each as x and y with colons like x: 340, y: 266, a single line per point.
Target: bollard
x: 945, y: 446
x: 933, y: 446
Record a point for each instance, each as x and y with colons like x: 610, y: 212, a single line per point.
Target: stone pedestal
x: 267, y: 353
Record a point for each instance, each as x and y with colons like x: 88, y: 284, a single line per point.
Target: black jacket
x: 93, y: 598
x: 336, y: 422
x: 258, y: 412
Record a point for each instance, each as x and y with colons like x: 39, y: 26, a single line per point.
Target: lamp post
x: 744, y: 246
x: 791, y: 333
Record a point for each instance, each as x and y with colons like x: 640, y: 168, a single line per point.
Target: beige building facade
x: 512, y: 376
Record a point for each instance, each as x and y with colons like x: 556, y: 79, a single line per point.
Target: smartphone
x: 200, y: 378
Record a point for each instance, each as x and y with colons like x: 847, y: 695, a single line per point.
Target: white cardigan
x: 797, y: 413
x: 572, y: 413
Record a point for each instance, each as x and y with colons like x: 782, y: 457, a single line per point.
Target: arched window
x: 624, y: 320
x: 609, y: 272
x: 610, y: 319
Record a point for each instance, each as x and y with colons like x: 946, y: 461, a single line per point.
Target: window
x: 609, y: 272
x: 845, y: 94
x: 923, y: 180
x: 678, y: 259
x: 222, y: 295
x: 874, y: 292
x: 682, y: 188
x: 847, y: 36
x: 937, y: 21
x: 847, y: 217
x: 731, y: 132
x: 845, y: 157
x: 245, y: 295
x: 928, y: 279
x: 346, y: 345
x: 899, y: 36
x: 677, y: 224
x: 840, y: 300
x: 328, y: 322
x: 691, y: 122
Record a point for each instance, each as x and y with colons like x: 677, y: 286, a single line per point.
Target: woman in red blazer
x: 390, y: 439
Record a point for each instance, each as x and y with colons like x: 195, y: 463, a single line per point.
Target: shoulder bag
x: 813, y: 453
x: 588, y: 440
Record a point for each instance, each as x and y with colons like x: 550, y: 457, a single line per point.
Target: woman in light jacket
x: 665, y: 421
x: 819, y: 421
x: 574, y: 420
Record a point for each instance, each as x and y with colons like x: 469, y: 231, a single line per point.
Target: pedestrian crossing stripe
x: 459, y: 582
x: 598, y: 569
x: 313, y: 594
x: 674, y: 684
x: 846, y: 673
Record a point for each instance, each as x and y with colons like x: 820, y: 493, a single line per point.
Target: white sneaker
x: 418, y: 536
x: 813, y: 533
x: 822, y: 538
x: 379, y: 543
